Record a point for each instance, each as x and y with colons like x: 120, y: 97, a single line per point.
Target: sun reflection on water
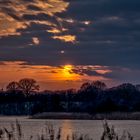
x: 67, y: 129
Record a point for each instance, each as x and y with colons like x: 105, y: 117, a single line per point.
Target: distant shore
x: 86, y: 116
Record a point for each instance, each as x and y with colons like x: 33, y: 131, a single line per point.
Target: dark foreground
x: 89, y: 98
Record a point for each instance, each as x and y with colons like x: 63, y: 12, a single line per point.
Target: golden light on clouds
x: 103, y: 71
x: 51, y: 6
x: 12, y: 22
x: 54, y: 30
x: 17, y: 17
x: 35, y: 41
x: 67, y: 71
x: 51, y: 75
x: 66, y: 38
x: 9, y: 26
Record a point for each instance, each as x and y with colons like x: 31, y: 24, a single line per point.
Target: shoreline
x: 86, y: 116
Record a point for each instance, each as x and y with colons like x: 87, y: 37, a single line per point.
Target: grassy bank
x: 86, y: 116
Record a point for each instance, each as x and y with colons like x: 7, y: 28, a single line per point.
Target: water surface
x: 91, y: 127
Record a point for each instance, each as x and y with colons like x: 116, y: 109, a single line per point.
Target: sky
x: 64, y: 43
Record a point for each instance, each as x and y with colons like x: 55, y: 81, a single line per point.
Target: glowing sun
x: 67, y: 71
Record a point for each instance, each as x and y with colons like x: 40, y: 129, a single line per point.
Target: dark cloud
x: 110, y: 39
x: 124, y: 75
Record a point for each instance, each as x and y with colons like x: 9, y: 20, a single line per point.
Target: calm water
x: 91, y: 127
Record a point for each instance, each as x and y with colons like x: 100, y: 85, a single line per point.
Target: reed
x: 49, y: 133
x: 110, y: 134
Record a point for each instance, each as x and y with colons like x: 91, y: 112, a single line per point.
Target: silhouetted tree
x: 85, y: 87
x: 87, y: 92
x: 99, y: 85
x: 127, y: 87
x: 91, y: 97
x: 107, y: 105
x: 56, y: 106
x: 28, y: 85
x: 12, y: 86
x: 138, y: 87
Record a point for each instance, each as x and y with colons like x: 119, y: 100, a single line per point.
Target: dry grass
x: 49, y: 133
x: 110, y: 134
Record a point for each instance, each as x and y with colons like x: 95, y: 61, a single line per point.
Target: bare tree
x: 12, y: 86
x: 85, y: 86
x: 28, y: 85
x: 99, y: 85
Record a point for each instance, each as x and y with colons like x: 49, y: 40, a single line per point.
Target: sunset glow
x: 67, y: 72
x: 62, y: 44
x: 66, y: 75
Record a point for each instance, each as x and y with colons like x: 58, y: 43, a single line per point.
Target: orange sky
x: 57, y: 29
x: 49, y: 77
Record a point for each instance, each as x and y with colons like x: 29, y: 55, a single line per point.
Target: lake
x: 91, y: 127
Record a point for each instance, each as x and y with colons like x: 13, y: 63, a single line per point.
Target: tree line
x: 24, y: 98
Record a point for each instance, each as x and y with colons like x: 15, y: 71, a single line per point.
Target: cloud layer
x: 80, y: 33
